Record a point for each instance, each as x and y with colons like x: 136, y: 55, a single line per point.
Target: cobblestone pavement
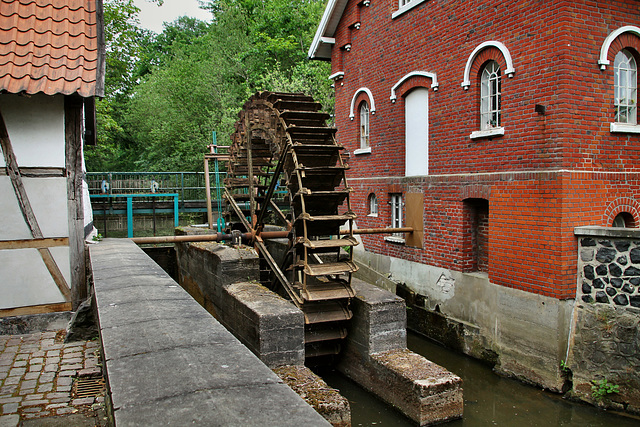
x: 37, y: 372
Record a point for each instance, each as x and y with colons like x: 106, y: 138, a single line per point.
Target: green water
x: 489, y: 400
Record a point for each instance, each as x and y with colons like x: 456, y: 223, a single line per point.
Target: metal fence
x: 189, y: 185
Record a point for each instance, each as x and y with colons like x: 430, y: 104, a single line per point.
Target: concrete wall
x: 36, y: 129
x: 524, y: 334
x: 606, y: 341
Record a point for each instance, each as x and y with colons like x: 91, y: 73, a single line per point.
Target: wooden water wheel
x: 281, y: 140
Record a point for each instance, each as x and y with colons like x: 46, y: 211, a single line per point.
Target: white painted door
x: 416, y: 118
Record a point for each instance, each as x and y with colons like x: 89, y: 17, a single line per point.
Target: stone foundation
x: 376, y: 357
x: 523, y: 335
x: 605, y: 346
x: 375, y: 353
x: 217, y: 277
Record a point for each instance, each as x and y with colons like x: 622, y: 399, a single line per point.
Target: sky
x: 152, y: 16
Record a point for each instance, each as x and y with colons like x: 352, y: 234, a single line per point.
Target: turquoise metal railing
x: 190, y: 186
x: 130, y: 198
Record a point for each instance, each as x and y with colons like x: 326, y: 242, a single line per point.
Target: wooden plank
x: 31, y: 172
x: 414, y: 205
x: 34, y: 243
x: 35, y: 309
x: 73, y: 163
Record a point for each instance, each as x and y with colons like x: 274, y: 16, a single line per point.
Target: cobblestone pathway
x: 37, y: 373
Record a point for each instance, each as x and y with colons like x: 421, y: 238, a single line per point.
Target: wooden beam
x: 35, y: 309
x: 34, y: 243
x: 73, y: 106
x: 31, y: 172
x: 25, y: 207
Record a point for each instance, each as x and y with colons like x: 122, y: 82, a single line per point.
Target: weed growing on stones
x: 602, y: 388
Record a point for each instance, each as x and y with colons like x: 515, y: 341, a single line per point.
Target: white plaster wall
x: 25, y: 279
x: 36, y: 129
x: 48, y: 198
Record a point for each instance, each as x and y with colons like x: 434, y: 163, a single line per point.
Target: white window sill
x: 362, y: 151
x: 394, y: 239
x: 406, y: 8
x: 625, y: 128
x: 488, y: 133
x: 373, y: 215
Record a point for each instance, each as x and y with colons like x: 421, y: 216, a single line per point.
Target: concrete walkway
x: 37, y: 372
x: 169, y: 362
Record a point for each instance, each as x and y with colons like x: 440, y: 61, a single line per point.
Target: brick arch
x: 616, y: 40
x: 362, y: 94
x: 476, y: 191
x: 411, y: 84
x: 619, y: 205
x: 412, y: 80
x: 497, y: 51
x: 489, y: 54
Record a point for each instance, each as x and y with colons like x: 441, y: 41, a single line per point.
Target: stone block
x: 379, y: 319
x: 420, y: 389
x: 376, y: 357
x: 265, y: 323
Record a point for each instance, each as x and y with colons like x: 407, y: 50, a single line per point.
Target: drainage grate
x: 88, y: 387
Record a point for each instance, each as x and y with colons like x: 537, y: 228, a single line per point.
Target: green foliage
x: 602, y: 388
x: 167, y: 92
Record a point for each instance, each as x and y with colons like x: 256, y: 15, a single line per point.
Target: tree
x: 168, y: 92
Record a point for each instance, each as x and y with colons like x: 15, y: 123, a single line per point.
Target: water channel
x: 489, y: 400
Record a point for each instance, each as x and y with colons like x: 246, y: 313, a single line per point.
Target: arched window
x: 373, y: 205
x: 364, y: 125
x: 623, y: 220
x: 490, y: 96
x: 625, y: 78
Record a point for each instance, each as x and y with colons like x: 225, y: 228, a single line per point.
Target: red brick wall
x: 531, y: 221
x: 546, y: 175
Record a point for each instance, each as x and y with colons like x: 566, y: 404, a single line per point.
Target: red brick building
x: 493, y: 128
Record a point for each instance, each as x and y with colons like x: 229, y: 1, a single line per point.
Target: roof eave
x: 320, y: 49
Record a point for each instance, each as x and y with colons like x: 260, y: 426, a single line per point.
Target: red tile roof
x: 51, y: 46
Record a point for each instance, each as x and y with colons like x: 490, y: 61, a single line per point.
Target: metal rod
x: 248, y: 237
x: 272, y: 186
x: 207, y: 186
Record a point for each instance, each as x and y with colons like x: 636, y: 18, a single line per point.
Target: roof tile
x: 51, y: 46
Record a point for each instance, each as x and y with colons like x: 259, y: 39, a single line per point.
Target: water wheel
x: 281, y: 141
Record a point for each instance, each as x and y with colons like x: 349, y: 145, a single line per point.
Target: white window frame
x: 625, y: 86
x: 364, y: 125
x: 490, y: 96
x: 405, y: 6
x: 397, y: 206
x: 372, y: 202
x: 490, y: 102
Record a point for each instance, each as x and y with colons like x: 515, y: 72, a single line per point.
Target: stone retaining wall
x: 605, y: 344
x: 219, y: 278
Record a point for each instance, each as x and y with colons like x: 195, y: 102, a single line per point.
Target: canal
x: 489, y: 400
